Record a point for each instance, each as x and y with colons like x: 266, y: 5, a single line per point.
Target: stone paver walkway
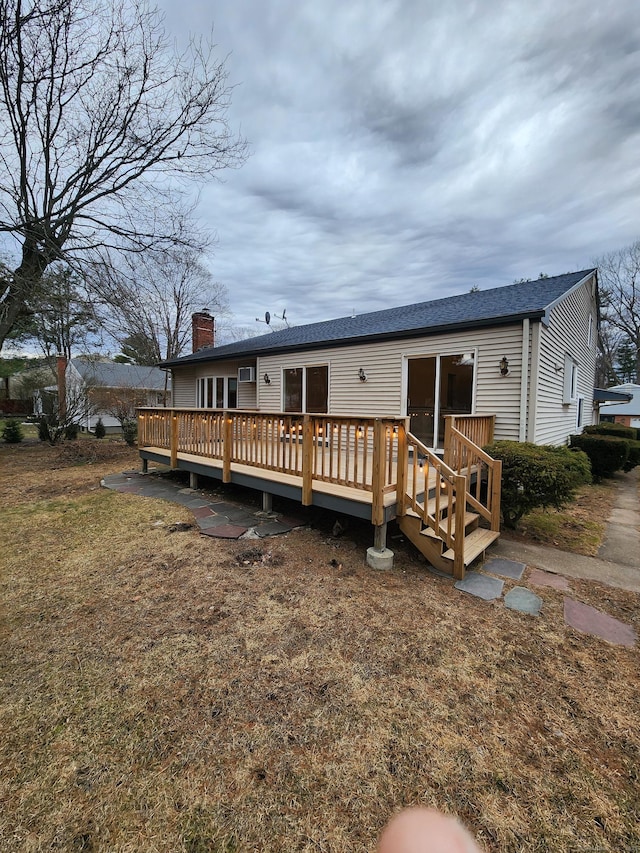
x: 582, y: 617
x: 221, y: 519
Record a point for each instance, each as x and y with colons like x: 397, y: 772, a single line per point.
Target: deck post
x: 193, y: 480
x: 267, y: 502
x: 402, y: 471
x: 496, y: 485
x: 174, y: 440
x: 460, y: 486
x: 377, y: 474
x: 448, y: 451
x: 380, y: 537
x: 380, y: 557
x: 227, y: 423
x: 307, y: 461
x: 145, y: 466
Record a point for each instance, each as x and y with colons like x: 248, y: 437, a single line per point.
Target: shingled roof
x: 497, y: 306
x: 113, y: 375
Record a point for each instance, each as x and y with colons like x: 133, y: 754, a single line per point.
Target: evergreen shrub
x: 99, y: 430
x: 130, y: 432
x: 537, y: 476
x: 607, y: 453
x: 616, y: 430
x: 71, y: 432
x: 12, y: 432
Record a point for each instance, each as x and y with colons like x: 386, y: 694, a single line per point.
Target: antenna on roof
x: 267, y: 319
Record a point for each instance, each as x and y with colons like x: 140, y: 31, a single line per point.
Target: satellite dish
x: 267, y: 317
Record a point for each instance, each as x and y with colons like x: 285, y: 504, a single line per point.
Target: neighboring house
x: 627, y: 413
x: 525, y: 353
x: 103, y: 389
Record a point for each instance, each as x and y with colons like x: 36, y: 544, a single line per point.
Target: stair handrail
x: 447, y: 516
x: 466, y: 458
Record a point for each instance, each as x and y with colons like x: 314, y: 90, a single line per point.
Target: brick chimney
x: 202, y: 326
x: 61, y: 364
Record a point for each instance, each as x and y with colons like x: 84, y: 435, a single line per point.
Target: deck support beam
x: 145, y: 466
x: 267, y: 502
x: 193, y: 480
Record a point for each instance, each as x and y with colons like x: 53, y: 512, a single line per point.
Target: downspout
x: 524, y: 381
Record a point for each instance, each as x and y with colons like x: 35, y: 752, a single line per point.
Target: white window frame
x: 570, y: 380
x: 202, y: 391
x: 580, y: 412
x: 304, y: 368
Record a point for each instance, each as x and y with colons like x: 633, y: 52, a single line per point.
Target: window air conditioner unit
x: 246, y: 374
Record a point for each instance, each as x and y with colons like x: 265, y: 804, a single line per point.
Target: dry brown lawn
x: 170, y: 692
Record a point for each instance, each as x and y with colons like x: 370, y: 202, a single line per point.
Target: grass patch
x: 578, y: 527
x: 169, y: 692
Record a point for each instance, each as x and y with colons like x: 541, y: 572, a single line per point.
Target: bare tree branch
x: 101, y: 121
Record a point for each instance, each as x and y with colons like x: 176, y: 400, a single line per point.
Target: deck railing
x: 358, y: 453
x: 464, y: 437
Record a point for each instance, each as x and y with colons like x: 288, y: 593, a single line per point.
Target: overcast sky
x: 404, y: 150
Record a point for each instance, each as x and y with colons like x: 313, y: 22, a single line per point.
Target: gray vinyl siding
x: 185, y: 382
x: 183, y: 387
x: 567, y: 333
x: 383, y: 394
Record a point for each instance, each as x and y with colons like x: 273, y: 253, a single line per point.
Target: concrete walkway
x: 618, y: 560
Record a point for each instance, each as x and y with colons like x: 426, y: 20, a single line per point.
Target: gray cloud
x: 405, y: 149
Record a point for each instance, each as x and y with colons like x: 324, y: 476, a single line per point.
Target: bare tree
x: 59, y: 316
x: 620, y: 295
x: 102, y: 123
x: 148, y: 302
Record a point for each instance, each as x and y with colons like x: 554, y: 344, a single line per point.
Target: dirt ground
x: 170, y: 692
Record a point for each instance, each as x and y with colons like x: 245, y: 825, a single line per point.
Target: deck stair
x: 446, y: 527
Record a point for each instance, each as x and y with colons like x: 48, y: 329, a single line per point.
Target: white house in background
x: 525, y: 353
x: 627, y: 413
x: 93, y: 388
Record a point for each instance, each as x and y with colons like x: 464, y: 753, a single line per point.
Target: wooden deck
x: 372, y: 468
x: 343, y: 499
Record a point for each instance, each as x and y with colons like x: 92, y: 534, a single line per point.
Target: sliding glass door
x: 437, y: 386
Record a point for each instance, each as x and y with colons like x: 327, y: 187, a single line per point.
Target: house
x: 384, y: 415
x: 525, y: 352
x: 95, y: 388
x: 625, y: 413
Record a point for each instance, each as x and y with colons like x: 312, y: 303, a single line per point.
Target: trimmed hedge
x: 616, y: 430
x: 607, y: 453
x: 535, y: 475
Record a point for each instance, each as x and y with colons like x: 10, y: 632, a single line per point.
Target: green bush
x: 71, y: 432
x: 634, y: 455
x: 99, y: 430
x: 537, y: 476
x: 607, y: 453
x: 130, y: 432
x: 12, y: 432
x: 616, y: 430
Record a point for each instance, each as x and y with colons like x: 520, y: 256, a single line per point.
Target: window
x: 570, y: 386
x: 217, y: 392
x: 590, y: 334
x: 306, y: 389
x: 580, y: 413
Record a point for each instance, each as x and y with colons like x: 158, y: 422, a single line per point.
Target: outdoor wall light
x: 267, y: 379
x: 504, y: 366
x: 362, y: 376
